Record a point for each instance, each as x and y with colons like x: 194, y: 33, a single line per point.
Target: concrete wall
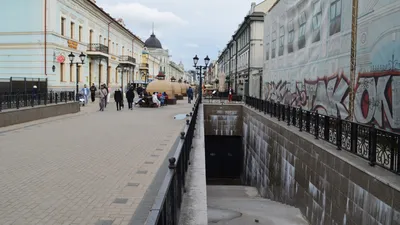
x: 223, y: 120
x: 329, y: 186
x: 28, y: 114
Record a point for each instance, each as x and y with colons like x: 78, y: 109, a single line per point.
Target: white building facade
x: 74, y: 26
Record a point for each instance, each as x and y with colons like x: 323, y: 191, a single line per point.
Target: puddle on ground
x: 180, y: 117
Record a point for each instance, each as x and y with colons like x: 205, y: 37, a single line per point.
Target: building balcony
x: 126, y: 59
x: 144, y: 66
x: 97, y: 49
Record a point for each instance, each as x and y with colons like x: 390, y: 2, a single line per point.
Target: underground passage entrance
x: 224, y: 159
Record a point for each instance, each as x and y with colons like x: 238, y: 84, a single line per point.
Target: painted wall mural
x: 329, y: 95
x: 320, y: 80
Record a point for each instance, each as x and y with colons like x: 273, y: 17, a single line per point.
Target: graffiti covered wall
x: 377, y: 91
x: 316, y: 75
x: 307, y: 61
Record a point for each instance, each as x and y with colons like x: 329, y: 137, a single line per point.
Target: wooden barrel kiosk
x: 162, y: 85
x: 183, y: 88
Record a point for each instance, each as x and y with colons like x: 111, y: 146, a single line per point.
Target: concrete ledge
x: 28, y: 114
x: 194, y: 206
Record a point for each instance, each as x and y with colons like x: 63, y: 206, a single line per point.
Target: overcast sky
x: 185, y: 27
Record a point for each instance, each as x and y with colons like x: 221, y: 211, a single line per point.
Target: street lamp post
x: 200, y: 68
x: 82, y: 58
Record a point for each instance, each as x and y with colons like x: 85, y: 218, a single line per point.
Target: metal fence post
x: 316, y: 124
x: 17, y: 100
x: 300, y: 119
x: 372, y: 146
x: 326, y: 128
x: 339, y: 133
x: 288, y: 115
x: 279, y: 110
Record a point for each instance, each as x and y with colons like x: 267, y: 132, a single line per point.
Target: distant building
x: 153, y: 48
x: 241, y: 61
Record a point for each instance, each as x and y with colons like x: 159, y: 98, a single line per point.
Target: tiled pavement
x: 90, y: 168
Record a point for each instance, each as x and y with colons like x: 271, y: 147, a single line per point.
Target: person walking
x: 118, y: 98
x: 85, y: 91
x: 103, y: 96
x: 189, y: 94
x: 130, y: 95
x: 106, y: 99
x: 93, y: 90
x: 230, y: 94
x: 109, y: 93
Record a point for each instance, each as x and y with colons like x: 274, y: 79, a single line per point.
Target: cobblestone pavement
x: 86, y: 168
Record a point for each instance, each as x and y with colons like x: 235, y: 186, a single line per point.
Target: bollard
x: 187, y: 122
x: 172, y: 161
x: 182, y: 135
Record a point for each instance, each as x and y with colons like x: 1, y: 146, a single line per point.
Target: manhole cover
x: 180, y: 117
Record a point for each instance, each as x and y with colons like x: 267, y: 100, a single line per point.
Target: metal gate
x: 224, y: 156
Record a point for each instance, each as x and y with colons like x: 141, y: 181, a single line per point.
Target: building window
x: 80, y: 34
x: 267, y: 51
x: 335, y: 17
x: 62, y: 72
x: 290, y: 36
x: 72, y: 30
x: 273, y: 45
x: 71, y: 72
x: 90, y: 36
x: 116, y: 75
x: 62, y: 26
x: 302, y: 30
x: 316, y: 21
x: 281, y: 40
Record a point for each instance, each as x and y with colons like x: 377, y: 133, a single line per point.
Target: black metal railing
x: 97, y: 47
x: 127, y: 58
x: 221, y: 99
x: 378, y: 146
x: 144, y: 65
x: 21, y: 100
x: 167, y: 206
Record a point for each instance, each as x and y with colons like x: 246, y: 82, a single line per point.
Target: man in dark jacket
x: 118, y: 98
x: 189, y: 93
x: 93, y: 90
x: 130, y: 95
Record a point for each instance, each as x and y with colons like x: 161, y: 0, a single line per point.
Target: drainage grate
x: 120, y: 200
x: 133, y: 184
x: 104, y: 222
x: 148, y: 162
x: 141, y: 172
x: 154, y: 155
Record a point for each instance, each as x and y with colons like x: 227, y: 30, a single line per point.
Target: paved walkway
x: 87, y: 168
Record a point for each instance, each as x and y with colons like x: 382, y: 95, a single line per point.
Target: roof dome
x: 152, y: 42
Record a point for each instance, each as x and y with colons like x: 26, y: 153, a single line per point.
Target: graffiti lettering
x: 328, y: 95
x: 377, y: 99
